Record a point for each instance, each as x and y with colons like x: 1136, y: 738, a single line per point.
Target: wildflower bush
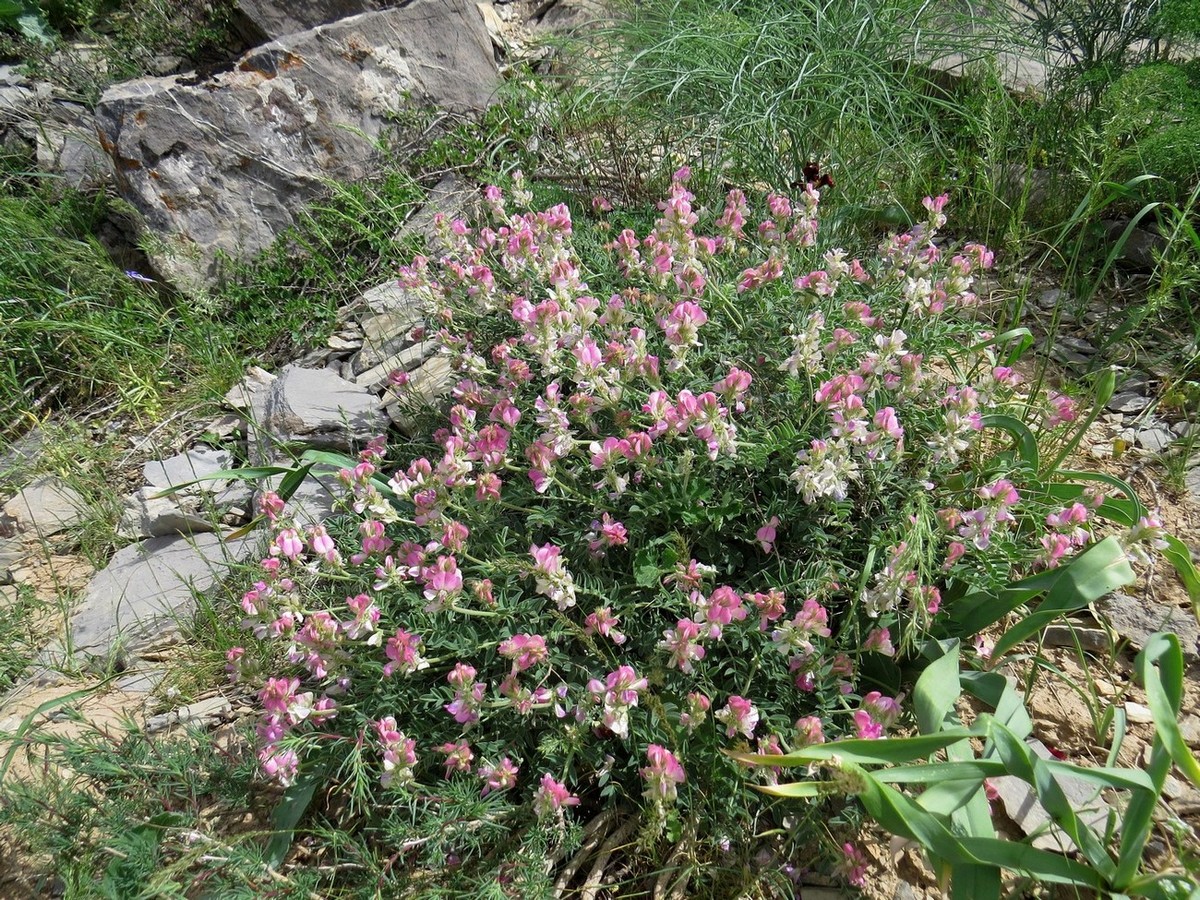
x: 703, y: 486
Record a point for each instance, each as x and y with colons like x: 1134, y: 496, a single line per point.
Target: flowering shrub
x: 695, y: 491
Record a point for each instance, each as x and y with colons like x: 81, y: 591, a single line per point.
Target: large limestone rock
x: 222, y: 165
x: 269, y: 19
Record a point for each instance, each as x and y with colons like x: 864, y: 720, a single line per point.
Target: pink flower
x: 740, y: 717
x: 722, y: 608
x: 683, y: 643
x: 443, y: 582
x: 323, y: 546
x: 288, y: 544
x: 550, y: 798
x: 399, y: 753
x: 855, y: 863
x: 551, y: 575
x: 809, y: 731
x: 525, y: 650
x: 458, y: 757
x: 880, y: 641
x: 885, y: 710
x: 663, y: 775
x: 499, y: 777
x: 770, y: 606
x: 603, y: 621
x: 1062, y: 410
x: 865, y: 726
x: 766, y: 535
x: 271, y: 505
x: 404, y: 651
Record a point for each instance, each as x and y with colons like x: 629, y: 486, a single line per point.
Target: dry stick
x: 669, y: 870
x: 598, y: 828
x: 591, y: 887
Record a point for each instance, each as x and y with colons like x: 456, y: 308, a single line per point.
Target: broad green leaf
x: 1180, y: 558
x: 286, y: 816
x: 863, y: 751
x: 934, y: 773
x: 1160, y: 666
x: 937, y: 690
x: 1022, y: 762
x: 1027, y: 445
x: 1098, y: 571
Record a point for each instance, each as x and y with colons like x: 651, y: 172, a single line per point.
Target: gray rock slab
x: 224, y: 164
x: 405, y: 360
x: 1022, y: 806
x: 150, y: 588
x: 141, y: 682
x: 453, y: 197
x: 1128, y: 402
x: 46, y: 506
x: 145, y: 515
x: 385, y: 334
x: 67, y: 146
x: 1151, y: 438
x: 199, y: 462
x: 317, y: 408
x: 1136, y: 619
x: 390, y: 297
x: 313, y: 501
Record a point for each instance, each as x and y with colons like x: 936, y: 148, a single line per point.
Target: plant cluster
x: 700, y: 489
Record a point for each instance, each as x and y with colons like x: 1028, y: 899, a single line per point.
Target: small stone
x: 1051, y: 298
x: 9, y: 594
x: 1173, y: 788
x: 243, y: 394
x: 1078, y: 345
x: 141, y: 682
x: 1128, y: 402
x: 20, y: 574
x: 1189, y: 726
x: 1092, y: 639
x: 337, y: 342
x: 1137, y: 713
x: 1105, y: 687
x: 1100, y: 451
x: 1155, y: 440
x: 202, y: 712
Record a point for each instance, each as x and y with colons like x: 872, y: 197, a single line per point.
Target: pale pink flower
x: 499, y: 777
x: 551, y: 797
x: 766, y: 535
x: 739, y: 715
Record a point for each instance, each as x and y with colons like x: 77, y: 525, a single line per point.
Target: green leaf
x: 1098, y: 571
x: 1027, y: 445
x: 287, y: 816
x: 1180, y: 558
x: 1022, y: 762
x: 937, y: 690
x: 1160, y: 667
x: 858, y: 751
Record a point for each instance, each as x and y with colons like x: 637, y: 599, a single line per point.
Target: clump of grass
x: 764, y: 87
x: 73, y: 325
